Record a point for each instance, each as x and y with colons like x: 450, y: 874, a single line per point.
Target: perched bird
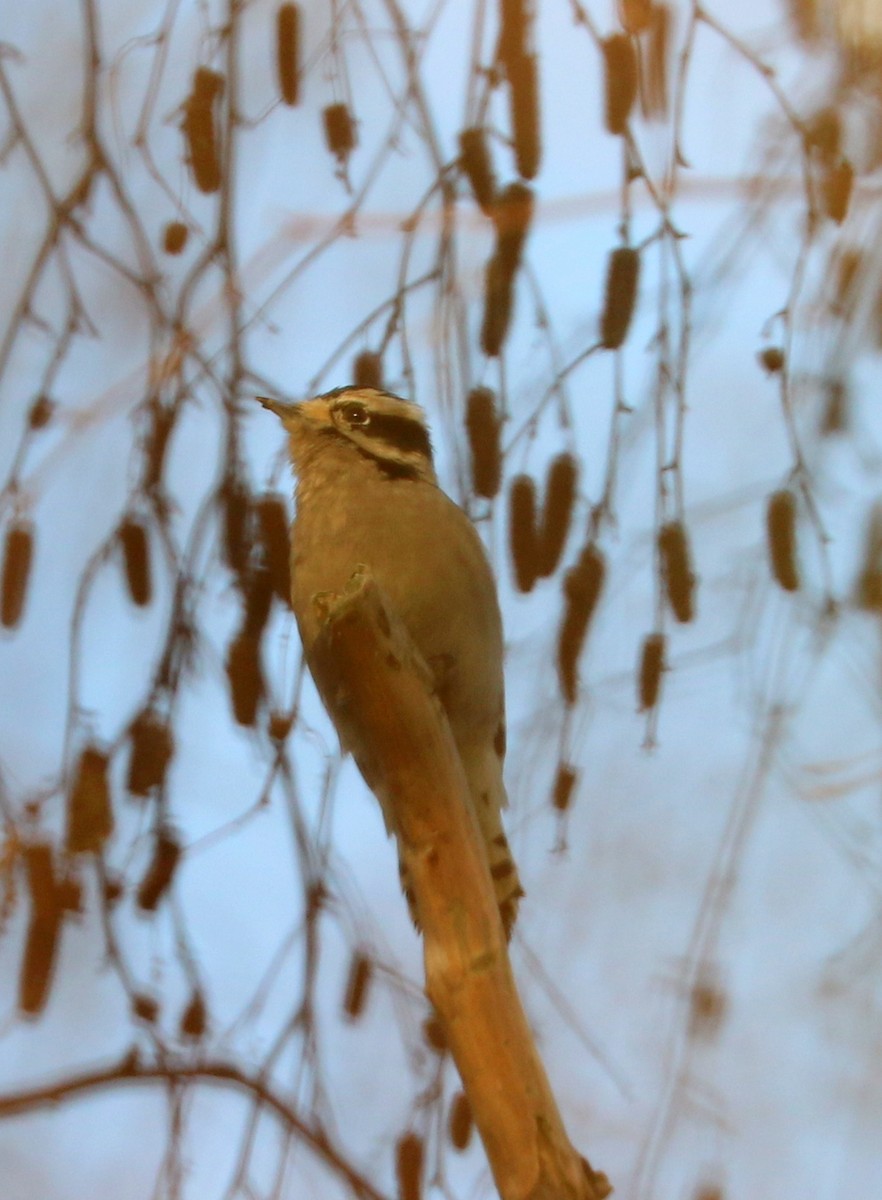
x: 367, y: 494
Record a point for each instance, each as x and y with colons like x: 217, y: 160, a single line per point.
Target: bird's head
x: 387, y: 429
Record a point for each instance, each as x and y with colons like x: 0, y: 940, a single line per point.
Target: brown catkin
x: 160, y: 872
x: 235, y: 510
x: 145, y: 1007
x: 654, y: 90
x: 483, y: 427
x: 367, y: 370
x: 635, y: 15
x: 461, y: 1122
x: 136, y: 558
x: 174, y: 238
x: 41, y: 942
x: 781, y: 538
x: 162, y: 422
x: 676, y: 568
x: 409, y: 1155
x: 498, y: 300
x: 340, y: 136
x: 194, y: 1019
x: 564, y: 785
x: 523, y: 541
x: 514, y: 31
x: 476, y: 165
x: 89, y: 811
x: 199, y: 126
x: 272, y: 517
x: 868, y: 591
x: 523, y: 78
x: 557, y: 512
x: 357, y: 984
x: 836, y: 189
x: 513, y: 216
x: 245, y: 676
x: 18, y: 555
x: 620, y: 294
x: 258, y: 599
x: 582, y: 587
x: 652, y: 663
x: 41, y: 412
x: 38, y: 963
x: 620, y: 81
x: 152, y: 748
x: 288, y: 52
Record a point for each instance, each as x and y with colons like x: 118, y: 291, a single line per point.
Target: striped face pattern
x: 388, y: 429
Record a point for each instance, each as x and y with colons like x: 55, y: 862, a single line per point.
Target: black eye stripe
x: 400, y: 433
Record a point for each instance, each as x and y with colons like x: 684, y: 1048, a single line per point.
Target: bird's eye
x: 355, y: 414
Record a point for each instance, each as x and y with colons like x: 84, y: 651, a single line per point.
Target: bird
x: 367, y: 495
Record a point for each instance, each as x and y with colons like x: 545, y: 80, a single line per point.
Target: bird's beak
x: 282, y: 410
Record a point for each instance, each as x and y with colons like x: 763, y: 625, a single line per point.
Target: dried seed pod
x: 160, y: 872
x: 409, y: 1155
x: 823, y: 134
x: 41, y: 413
x: 523, y: 541
x: 258, y: 598
x: 849, y: 270
x: 620, y: 81
x: 771, y: 359
x: 245, y: 676
x: 200, y: 128
x: 272, y: 516
x: 676, y: 567
x: 836, y: 404
x: 836, y: 188
x: 357, y: 983
x: 620, y: 294
x: 194, y: 1019
x: 512, y: 216
x: 152, y: 748
x: 654, y: 80
x: 236, y: 509
x: 652, y: 663
x: 288, y: 52
x: 162, y: 421
x: 635, y: 15
x: 367, y: 370
x: 523, y: 79
x: 781, y: 537
x: 868, y: 592
x: 41, y: 944
x: 461, y: 1122
x: 174, y: 239
x: 483, y: 427
x: 89, y: 811
x: 38, y: 963
x: 582, y: 587
x: 515, y: 19
x: 18, y: 554
x: 434, y: 1035
x: 145, y: 1007
x: 474, y: 159
x: 340, y: 136
x: 557, y: 512
x: 498, y: 297
x: 564, y: 784
x: 136, y: 557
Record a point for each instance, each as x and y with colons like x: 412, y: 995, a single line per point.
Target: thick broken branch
x: 382, y: 692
